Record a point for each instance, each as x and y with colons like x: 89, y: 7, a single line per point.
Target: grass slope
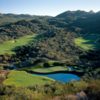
x: 88, y: 42
x: 8, y: 46
x: 24, y: 79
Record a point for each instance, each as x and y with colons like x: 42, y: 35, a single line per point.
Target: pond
x: 62, y: 77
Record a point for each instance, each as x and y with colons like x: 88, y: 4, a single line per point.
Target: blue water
x: 63, y: 77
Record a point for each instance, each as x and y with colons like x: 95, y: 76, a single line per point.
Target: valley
x: 50, y: 56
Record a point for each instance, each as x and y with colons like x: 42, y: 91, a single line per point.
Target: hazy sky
x: 47, y: 7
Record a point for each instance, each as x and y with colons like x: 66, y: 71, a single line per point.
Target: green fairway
x: 51, y: 69
x: 8, y: 46
x: 88, y: 42
x: 22, y: 78
x: 82, y: 43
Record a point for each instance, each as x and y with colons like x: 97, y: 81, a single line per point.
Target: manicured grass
x: 8, y: 46
x: 88, y: 42
x: 51, y: 69
x: 82, y: 43
x: 24, y: 79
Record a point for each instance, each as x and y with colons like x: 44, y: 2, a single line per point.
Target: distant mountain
x: 88, y: 22
x: 8, y: 18
x: 74, y: 14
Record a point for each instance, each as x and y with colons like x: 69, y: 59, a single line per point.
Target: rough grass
x: 24, y: 79
x: 88, y: 42
x: 8, y: 46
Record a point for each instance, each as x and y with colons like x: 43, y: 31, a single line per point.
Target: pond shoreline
x: 80, y: 74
